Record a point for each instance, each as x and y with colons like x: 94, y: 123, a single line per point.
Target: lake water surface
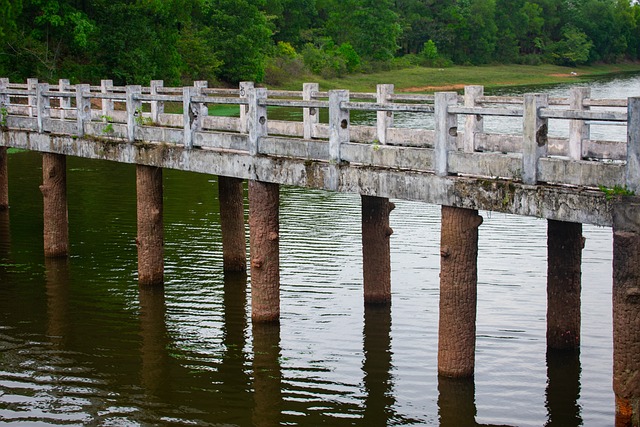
x: 81, y: 344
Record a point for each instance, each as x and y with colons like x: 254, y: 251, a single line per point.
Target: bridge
x: 455, y: 163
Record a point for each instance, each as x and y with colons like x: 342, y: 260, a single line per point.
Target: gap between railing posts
x: 534, y: 136
x: 632, y: 173
x: 83, y: 105
x: 446, y: 131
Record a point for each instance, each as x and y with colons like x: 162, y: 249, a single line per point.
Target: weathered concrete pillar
x: 564, y: 258
x: 376, y: 252
x: 267, y: 375
x: 234, y: 246
x: 150, y: 240
x: 458, y: 291
x: 4, y: 179
x: 264, y: 226
x: 54, y: 193
x: 626, y: 310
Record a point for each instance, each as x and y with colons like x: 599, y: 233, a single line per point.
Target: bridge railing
x: 455, y: 143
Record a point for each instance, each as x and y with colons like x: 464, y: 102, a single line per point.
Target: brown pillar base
x: 264, y: 226
x: 54, y: 193
x: 150, y: 240
x: 4, y: 179
x: 234, y: 246
x: 376, y: 253
x: 564, y: 258
x: 458, y: 293
x: 626, y: 310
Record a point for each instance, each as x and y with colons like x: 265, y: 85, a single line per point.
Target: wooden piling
x: 4, y: 179
x: 234, y: 247
x: 54, y: 193
x: 264, y: 231
x: 376, y: 253
x: 626, y: 310
x: 458, y: 291
x: 564, y: 259
x: 150, y: 240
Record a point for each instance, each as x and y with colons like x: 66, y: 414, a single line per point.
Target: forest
x: 227, y: 41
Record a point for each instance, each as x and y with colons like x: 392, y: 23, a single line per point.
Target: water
x: 81, y: 344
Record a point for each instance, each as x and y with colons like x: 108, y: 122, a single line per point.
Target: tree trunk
x: 150, y: 240
x: 376, y: 253
x: 458, y: 291
x: 264, y: 199
x: 234, y: 246
x: 564, y: 258
x: 54, y: 193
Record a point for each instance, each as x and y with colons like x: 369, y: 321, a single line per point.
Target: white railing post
x: 157, y: 107
x: 106, y: 87
x: 31, y: 99
x: 257, y: 118
x: 83, y: 105
x: 632, y: 173
x: 134, y: 110
x: 64, y: 101
x: 473, y: 122
x: 534, y: 136
x: 384, y: 119
x: 446, y: 131
x: 244, y: 109
x: 310, y: 116
x: 43, y: 104
x: 338, y: 132
x: 4, y: 98
x: 202, y: 107
x: 578, y: 129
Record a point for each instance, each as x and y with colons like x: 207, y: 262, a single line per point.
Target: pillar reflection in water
x: 267, y: 376
x: 57, y: 280
x: 378, y: 381
x: 5, y: 235
x: 563, y: 388
x: 456, y: 401
x: 235, y: 379
x: 155, y: 359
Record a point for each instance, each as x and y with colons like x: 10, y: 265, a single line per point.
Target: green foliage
x: 616, y: 191
x: 330, y: 60
x: 4, y: 113
x: 573, y: 49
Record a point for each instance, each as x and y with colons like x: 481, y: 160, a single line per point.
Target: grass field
x: 428, y: 80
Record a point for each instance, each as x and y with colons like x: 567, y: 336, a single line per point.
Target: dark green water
x: 81, y: 344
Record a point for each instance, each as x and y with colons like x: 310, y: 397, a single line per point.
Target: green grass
x: 428, y: 80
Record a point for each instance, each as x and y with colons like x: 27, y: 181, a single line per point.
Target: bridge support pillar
x: 150, y: 240
x: 626, y: 310
x: 564, y: 258
x: 234, y: 246
x: 4, y: 180
x: 458, y: 291
x: 54, y: 193
x: 264, y: 228
x: 376, y: 253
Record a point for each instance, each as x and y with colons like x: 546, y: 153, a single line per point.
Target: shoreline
x: 429, y: 80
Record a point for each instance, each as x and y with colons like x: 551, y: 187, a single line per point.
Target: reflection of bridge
x: 568, y: 181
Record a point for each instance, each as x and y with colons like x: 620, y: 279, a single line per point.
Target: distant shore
x: 429, y: 80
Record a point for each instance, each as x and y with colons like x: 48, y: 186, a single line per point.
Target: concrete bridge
x: 569, y: 181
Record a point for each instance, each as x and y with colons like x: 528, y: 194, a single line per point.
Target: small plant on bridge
x: 4, y: 113
x: 141, y: 120
x: 108, y: 128
x: 617, y: 190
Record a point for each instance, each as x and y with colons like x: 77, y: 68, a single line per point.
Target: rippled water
x: 81, y: 344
